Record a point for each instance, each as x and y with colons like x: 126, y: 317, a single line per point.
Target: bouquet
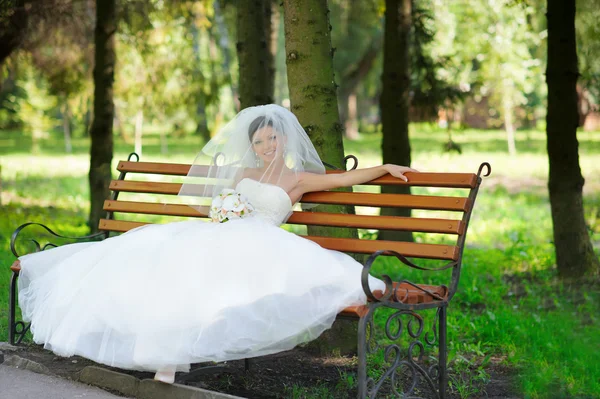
x: 228, y: 205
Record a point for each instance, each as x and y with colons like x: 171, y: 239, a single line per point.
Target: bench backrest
x: 435, y: 200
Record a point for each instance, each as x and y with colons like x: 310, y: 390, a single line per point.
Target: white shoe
x: 166, y: 375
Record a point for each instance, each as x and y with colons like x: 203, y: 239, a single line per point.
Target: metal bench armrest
x: 38, y: 247
x: 390, y: 294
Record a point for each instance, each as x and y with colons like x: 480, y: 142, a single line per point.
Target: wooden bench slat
x: 405, y: 293
x: 412, y: 201
x: 410, y: 249
x: 120, y: 226
x: 148, y: 208
x: 423, y: 179
x: 172, y: 169
x: 423, y: 225
x: 131, y: 186
x: 443, y: 226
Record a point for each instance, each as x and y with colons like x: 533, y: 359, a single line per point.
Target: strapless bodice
x: 271, y: 203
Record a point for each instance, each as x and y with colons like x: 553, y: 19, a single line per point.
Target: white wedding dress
x: 189, y: 292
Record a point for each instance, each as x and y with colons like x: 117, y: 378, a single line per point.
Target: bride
x: 161, y: 297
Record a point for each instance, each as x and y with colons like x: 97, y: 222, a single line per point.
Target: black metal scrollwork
x: 487, y: 166
x: 346, y: 158
x: 131, y: 155
x: 405, y: 372
x: 392, y: 292
x: 15, y: 235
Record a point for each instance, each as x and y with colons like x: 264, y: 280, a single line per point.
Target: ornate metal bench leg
x: 363, y: 324
x: 12, y: 308
x: 16, y: 329
x: 443, y: 371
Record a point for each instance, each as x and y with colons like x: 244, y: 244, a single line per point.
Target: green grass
x: 510, y: 305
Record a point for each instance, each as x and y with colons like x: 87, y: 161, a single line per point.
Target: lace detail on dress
x: 271, y: 203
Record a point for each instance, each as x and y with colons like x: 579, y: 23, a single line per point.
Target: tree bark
x: 13, y: 28
x: 101, y: 133
x: 575, y: 255
x: 395, y: 101
x: 309, y: 61
x: 256, y: 62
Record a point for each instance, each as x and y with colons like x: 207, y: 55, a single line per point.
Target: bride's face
x: 268, y: 144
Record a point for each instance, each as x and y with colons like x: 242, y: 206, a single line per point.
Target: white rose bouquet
x: 228, y: 205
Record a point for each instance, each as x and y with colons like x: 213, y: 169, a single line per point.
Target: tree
x: 313, y: 100
x: 395, y: 101
x: 101, y: 132
x: 311, y: 85
x: 575, y: 255
x: 358, y: 37
x: 14, y: 20
x: 256, y: 61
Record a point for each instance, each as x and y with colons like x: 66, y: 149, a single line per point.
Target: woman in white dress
x: 161, y: 297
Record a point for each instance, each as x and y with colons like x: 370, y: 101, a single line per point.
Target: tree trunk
x: 348, y: 83
x: 201, y: 117
x: 138, y: 132
x: 202, y: 124
x: 395, y: 101
x: 575, y: 255
x: 351, y: 124
x: 256, y: 61
x: 101, y: 151
x: 13, y: 28
x: 66, y: 119
x: 313, y: 98
x: 509, y: 126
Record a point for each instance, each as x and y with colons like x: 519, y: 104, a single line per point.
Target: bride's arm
x: 315, y: 182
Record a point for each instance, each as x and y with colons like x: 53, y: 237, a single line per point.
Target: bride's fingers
x: 401, y: 176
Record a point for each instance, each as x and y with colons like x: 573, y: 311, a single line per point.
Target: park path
x: 24, y: 384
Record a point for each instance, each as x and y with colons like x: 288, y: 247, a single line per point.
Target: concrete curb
x: 107, y: 379
x: 144, y: 389
x: 21, y: 363
x: 125, y: 384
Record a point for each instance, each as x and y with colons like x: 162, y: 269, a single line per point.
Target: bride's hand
x: 399, y: 171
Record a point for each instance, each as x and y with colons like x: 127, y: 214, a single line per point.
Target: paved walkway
x: 23, y: 384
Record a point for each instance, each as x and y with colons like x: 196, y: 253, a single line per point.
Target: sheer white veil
x: 265, y: 143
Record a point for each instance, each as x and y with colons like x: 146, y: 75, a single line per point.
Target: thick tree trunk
x: 313, y: 100
x: 395, y: 101
x: 257, y: 71
x: 13, y: 27
x: 575, y: 255
x: 101, y: 151
x: 312, y: 89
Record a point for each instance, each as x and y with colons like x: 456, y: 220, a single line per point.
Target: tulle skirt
x: 186, y: 292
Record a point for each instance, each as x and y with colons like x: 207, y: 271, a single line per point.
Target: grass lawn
x: 510, y: 307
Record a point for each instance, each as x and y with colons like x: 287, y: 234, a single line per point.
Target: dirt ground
x: 275, y: 376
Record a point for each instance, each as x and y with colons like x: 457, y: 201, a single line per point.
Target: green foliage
x: 510, y: 312
x: 588, y: 46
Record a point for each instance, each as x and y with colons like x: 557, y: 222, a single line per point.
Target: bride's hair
x: 262, y: 122
x: 257, y: 124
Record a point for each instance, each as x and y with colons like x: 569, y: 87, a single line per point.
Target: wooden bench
x: 404, y: 298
